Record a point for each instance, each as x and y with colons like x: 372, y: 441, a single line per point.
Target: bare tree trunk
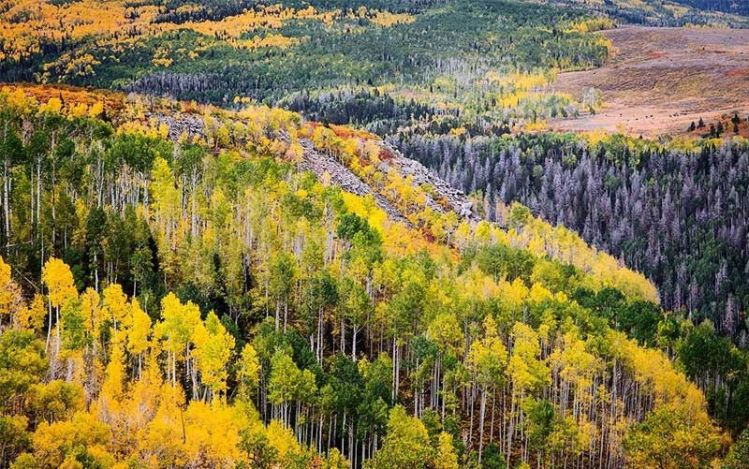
x: 481, y: 424
x: 353, y: 342
x: 6, y: 204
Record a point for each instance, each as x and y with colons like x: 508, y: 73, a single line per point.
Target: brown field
x: 662, y: 79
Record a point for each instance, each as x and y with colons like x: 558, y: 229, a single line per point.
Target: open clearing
x: 662, y: 79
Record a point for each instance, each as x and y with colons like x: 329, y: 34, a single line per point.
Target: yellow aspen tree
x: 166, y: 204
x: 113, y: 388
x: 91, y: 309
x: 248, y: 372
x: 10, y: 296
x: 165, y: 433
x: 57, y: 444
x: 91, y: 312
x: 145, y: 392
x: 58, y: 279
x: 213, y: 435
x: 281, y: 438
x: 213, y: 349
x: 487, y: 359
x: 446, y: 456
x: 175, y: 329
x: 115, y: 305
x: 527, y: 372
x: 31, y: 317
x: 139, y: 330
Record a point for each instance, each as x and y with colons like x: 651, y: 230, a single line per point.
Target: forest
x: 201, y: 302
x: 677, y: 214
x: 339, y: 234
x: 730, y: 6
x: 671, y: 13
x: 465, y: 56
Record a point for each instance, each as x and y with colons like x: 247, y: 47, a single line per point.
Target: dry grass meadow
x: 662, y: 79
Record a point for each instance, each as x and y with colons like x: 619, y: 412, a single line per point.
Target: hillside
x: 373, y: 234
x: 271, y: 318
x: 675, y: 211
x: 656, y: 175
x: 728, y: 6
x: 669, y: 12
x: 460, y: 62
x: 438, y: 66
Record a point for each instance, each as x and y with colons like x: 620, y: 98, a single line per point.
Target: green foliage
x: 56, y: 400
x: 502, y: 262
x: 738, y: 456
x: 22, y: 364
x: 280, y: 313
x: 14, y: 439
x: 406, y: 443
x: 351, y: 68
x: 665, y: 439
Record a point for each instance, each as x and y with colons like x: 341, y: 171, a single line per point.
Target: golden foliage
x: 58, y: 279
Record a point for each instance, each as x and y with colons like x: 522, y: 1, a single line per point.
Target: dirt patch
x: 662, y: 79
x: 738, y: 72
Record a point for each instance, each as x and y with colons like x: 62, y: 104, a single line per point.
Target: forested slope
x: 486, y: 60
x: 730, y: 6
x: 268, y: 284
x: 670, y: 12
x: 677, y: 214
x: 196, y: 300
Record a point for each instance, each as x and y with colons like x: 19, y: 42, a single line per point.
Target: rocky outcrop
x: 451, y: 198
x: 180, y: 124
x: 322, y: 164
x: 441, y: 197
